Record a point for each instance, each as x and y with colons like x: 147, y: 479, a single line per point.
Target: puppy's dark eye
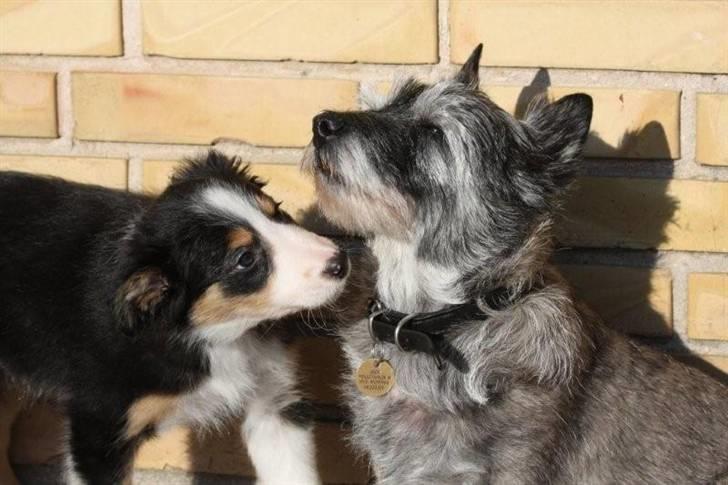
x: 246, y: 260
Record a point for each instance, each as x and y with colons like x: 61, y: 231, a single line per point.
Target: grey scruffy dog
x: 456, y: 198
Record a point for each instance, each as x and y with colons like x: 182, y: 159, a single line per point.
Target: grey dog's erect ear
x: 561, y: 125
x: 468, y: 74
x: 561, y: 129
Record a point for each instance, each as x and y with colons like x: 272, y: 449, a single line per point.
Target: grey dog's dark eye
x: 246, y: 260
x: 434, y: 130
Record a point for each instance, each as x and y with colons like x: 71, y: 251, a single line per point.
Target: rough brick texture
x: 110, y: 173
x: 647, y: 213
x: 712, y: 129
x: 67, y: 27
x: 718, y: 361
x: 116, y: 93
x: 200, y: 109
x: 396, y: 31
x: 598, y: 35
x: 708, y: 306
x: 28, y: 104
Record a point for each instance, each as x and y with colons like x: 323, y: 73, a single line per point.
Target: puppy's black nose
x: 326, y: 126
x: 338, y: 266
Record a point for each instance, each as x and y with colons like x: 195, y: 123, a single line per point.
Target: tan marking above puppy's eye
x: 266, y: 204
x: 240, y: 237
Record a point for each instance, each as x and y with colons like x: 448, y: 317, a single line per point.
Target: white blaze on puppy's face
x: 299, y: 261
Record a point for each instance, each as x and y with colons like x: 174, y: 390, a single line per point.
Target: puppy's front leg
x: 280, y: 444
x: 99, y: 452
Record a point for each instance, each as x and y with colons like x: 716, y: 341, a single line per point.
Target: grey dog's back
x: 640, y: 417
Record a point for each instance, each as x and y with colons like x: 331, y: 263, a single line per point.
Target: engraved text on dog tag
x: 374, y: 377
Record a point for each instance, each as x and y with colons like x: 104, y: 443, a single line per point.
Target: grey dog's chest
x: 402, y: 434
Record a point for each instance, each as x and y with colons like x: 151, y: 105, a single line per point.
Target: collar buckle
x: 399, y: 327
x: 375, y: 309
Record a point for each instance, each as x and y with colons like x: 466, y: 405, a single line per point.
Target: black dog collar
x: 425, y: 332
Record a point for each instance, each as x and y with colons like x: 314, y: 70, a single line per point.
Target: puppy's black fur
x: 98, y: 290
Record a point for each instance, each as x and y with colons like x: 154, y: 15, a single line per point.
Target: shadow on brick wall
x: 624, y: 300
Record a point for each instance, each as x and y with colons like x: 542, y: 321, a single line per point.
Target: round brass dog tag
x: 375, y: 377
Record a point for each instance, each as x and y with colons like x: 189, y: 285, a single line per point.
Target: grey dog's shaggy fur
x: 454, y: 197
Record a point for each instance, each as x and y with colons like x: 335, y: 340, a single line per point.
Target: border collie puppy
x: 140, y: 313
x: 478, y: 366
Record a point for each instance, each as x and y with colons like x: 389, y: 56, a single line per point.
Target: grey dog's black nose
x: 326, y: 126
x: 338, y: 266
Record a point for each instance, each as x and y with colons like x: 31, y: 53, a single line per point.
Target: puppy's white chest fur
x: 236, y: 375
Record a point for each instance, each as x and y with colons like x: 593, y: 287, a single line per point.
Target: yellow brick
x: 286, y: 183
x: 708, y: 306
x: 632, y: 300
x: 627, y: 123
x: 655, y: 35
x: 647, y: 213
x: 718, y: 361
x: 199, y: 109
x: 28, y: 104
x: 396, y: 31
x: 109, y: 172
x: 712, y: 129
x: 67, y: 27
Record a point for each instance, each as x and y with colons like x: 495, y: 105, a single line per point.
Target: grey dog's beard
x: 307, y: 161
x: 320, y: 162
x: 364, y: 213
x: 323, y: 166
x: 357, y: 202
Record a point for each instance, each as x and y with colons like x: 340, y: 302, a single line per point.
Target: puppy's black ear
x: 468, y: 74
x: 560, y: 130
x: 141, y: 299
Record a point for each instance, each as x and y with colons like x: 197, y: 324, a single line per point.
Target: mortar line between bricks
x: 517, y: 76
x: 132, y: 29
x: 135, y: 174
x: 60, y: 147
x: 64, y: 108
x: 443, y: 28
x: 688, y: 134
x: 680, y: 297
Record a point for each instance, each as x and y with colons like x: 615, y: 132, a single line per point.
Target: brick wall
x: 112, y: 92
